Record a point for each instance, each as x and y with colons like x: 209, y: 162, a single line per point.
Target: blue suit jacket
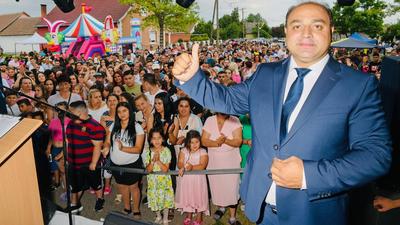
x: 340, y: 134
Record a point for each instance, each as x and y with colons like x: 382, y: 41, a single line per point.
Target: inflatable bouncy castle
x: 87, y: 30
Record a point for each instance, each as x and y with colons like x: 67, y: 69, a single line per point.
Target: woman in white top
x: 125, y: 144
x: 95, y: 104
x: 183, y: 123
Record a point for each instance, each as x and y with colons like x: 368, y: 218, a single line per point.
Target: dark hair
x: 167, y: 104
x: 23, y: 101
x: 126, y: 73
x: 112, y: 95
x: 183, y: 99
x: 150, y: 78
x: 54, y: 86
x: 120, y: 86
x: 63, y: 103
x: 37, y: 113
x: 63, y: 78
x: 189, y: 136
x: 130, y: 99
x: 130, y: 129
x: 156, y: 130
x: 78, y: 104
x: 323, y: 6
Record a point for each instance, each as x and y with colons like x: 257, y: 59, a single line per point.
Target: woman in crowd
x: 191, y: 192
x: 106, y: 120
x: 222, y: 134
x: 50, y: 86
x: 183, y: 123
x: 125, y: 143
x: 95, y: 104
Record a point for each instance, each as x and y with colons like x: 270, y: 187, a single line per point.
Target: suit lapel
x: 326, y: 81
x: 280, y: 77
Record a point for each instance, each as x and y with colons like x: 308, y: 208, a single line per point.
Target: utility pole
x: 244, y: 25
x: 215, y: 20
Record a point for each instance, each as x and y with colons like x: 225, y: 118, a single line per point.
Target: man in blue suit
x: 318, y: 126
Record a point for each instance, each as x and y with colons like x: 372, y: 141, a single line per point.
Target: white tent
x: 34, y: 39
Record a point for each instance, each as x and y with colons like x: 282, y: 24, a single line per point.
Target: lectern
x: 19, y: 192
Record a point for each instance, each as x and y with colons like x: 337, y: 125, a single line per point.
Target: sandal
x: 137, y: 215
x: 118, y: 199
x: 171, y: 214
x: 218, y: 214
x: 127, y: 211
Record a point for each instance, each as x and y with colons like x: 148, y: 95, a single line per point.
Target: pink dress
x: 224, y: 188
x: 191, y: 190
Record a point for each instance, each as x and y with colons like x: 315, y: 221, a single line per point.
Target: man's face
x: 308, y: 34
x: 11, y: 100
x: 222, y: 77
x: 129, y: 80
x: 375, y: 58
x: 64, y: 86
x: 25, y: 108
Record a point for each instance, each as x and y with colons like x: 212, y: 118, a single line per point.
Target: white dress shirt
x: 309, y: 81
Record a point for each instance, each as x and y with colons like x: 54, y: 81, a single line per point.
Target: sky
x: 271, y: 10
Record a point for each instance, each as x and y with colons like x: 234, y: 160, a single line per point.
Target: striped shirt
x: 80, y: 146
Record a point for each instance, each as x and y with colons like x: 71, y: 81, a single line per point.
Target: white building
x: 17, y: 27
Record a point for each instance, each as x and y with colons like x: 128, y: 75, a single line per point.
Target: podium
x: 19, y: 192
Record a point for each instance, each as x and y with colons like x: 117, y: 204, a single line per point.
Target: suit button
x: 276, y: 147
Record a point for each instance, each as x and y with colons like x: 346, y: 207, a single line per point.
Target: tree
x: 261, y: 25
x: 164, y: 14
x: 230, y: 26
x: 365, y: 16
x: 392, y: 31
x: 203, y: 28
x: 278, y: 32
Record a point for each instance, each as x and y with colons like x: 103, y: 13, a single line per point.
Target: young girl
x: 159, y: 191
x: 191, y: 191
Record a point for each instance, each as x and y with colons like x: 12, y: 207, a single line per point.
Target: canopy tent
x: 34, y: 39
x: 84, y: 26
x: 352, y: 43
x: 360, y: 37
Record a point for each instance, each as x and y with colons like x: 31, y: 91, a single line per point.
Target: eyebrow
x: 313, y: 21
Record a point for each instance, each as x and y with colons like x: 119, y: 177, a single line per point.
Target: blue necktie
x: 292, y: 99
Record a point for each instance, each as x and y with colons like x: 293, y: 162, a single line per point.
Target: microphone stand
x: 61, y: 115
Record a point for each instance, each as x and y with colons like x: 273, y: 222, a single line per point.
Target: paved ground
x: 88, y: 201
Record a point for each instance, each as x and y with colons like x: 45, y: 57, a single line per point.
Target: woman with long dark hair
x: 125, y: 143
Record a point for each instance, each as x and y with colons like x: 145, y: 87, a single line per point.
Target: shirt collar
x: 316, y: 66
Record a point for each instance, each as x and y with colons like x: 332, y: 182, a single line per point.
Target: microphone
x: 184, y: 3
x: 345, y: 2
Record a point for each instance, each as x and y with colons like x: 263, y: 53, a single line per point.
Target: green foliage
x: 391, y: 32
x: 265, y: 31
x: 203, y: 28
x: 230, y: 26
x: 255, y: 18
x: 278, y: 32
x: 364, y: 16
x: 165, y: 14
x: 199, y: 37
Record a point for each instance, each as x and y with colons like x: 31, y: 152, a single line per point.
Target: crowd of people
x: 131, y: 115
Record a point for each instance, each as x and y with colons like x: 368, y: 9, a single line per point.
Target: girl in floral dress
x: 159, y: 191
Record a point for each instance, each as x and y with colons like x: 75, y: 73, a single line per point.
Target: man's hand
x: 288, y: 173
x: 383, y: 204
x: 92, y: 166
x: 186, y: 65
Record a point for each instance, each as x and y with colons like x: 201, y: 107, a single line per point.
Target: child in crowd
x: 159, y: 191
x: 55, y: 147
x: 191, y: 192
